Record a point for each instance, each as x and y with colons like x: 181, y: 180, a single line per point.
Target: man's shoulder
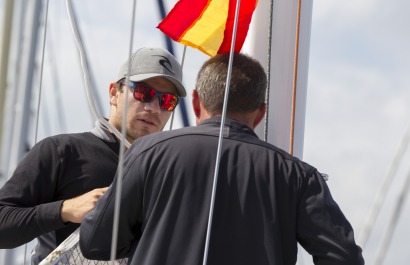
x: 287, y: 158
x: 72, y: 137
x: 68, y: 139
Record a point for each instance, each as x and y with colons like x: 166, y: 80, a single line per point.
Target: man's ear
x: 112, y: 91
x: 196, y: 103
x: 259, y: 115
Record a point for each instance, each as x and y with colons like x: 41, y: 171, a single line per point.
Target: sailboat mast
x: 290, y: 34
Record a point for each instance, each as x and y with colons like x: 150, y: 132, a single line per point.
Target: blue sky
x: 357, y: 94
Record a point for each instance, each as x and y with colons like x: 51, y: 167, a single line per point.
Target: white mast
x: 291, y: 23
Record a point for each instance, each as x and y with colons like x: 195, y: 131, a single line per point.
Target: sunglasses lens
x: 168, y: 102
x: 146, y: 94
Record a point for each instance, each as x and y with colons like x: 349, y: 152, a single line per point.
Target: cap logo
x: 164, y: 62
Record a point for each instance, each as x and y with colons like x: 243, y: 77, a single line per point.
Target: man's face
x: 142, y: 117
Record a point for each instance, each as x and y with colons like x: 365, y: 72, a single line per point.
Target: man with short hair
x: 60, y: 179
x: 266, y: 200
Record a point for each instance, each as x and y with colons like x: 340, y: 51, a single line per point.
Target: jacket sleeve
x: 27, y: 209
x: 322, y: 228
x: 97, y: 226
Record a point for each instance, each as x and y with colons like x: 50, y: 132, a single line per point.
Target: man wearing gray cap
x: 61, y: 177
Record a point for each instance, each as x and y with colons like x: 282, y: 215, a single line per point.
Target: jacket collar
x: 231, y: 126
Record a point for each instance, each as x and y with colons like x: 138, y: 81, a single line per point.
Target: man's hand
x: 74, y: 210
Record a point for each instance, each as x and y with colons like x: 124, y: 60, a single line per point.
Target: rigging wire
x: 117, y: 203
x: 182, y: 67
x: 388, y: 234
x: 182, y: 105
x: 268, y: 70
x: 183, y: 57
x: 375, y: 210
x: 55, y: 81
x: 39, y: 95
x: 172, y: 120
x: 41, y: 72
x: 221, y: 131
x: 86, y: 75
x: 295, y: 80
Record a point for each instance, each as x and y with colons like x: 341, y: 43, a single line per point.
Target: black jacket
x: 266, y: 202
x: 57, y: 168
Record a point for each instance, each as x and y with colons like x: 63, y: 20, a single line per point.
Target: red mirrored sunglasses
x: 144, y: 93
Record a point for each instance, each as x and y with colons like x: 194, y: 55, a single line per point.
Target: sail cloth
x: 208, y: 24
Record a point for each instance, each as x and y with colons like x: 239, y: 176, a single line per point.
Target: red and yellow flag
x: 208, y: 24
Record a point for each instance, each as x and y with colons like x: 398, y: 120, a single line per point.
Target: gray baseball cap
x: 154, y: 62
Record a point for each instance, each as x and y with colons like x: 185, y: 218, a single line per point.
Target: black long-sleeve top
x: 57, y: 168
x: 266, y: 201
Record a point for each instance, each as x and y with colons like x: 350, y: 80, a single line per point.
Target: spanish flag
x: 208, y: 24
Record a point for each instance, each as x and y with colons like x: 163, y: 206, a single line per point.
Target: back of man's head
x: 247, y: 84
